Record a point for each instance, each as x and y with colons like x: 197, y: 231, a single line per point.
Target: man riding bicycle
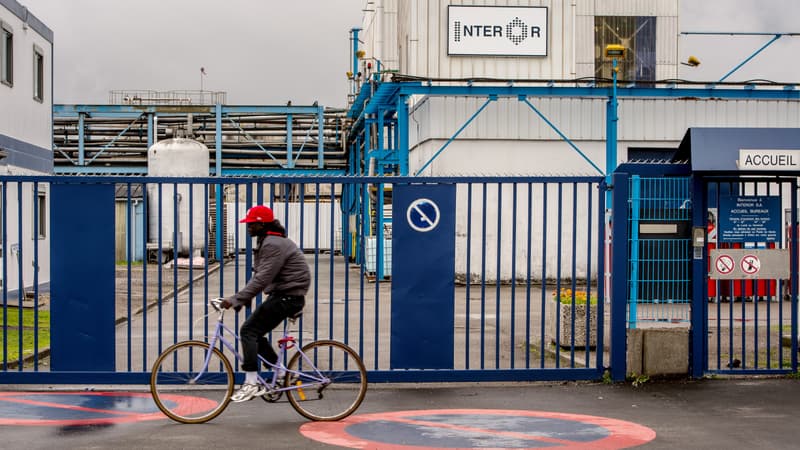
x: 280, y: 270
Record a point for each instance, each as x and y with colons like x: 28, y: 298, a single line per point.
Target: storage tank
x: 184, y: 158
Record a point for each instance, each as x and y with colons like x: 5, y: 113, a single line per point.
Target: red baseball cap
x: 258, y: 213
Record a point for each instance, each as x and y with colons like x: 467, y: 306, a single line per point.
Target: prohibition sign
x: 724, y: 264
x: 751, y: 264
x: 423, y: 215
x: 478, y: 428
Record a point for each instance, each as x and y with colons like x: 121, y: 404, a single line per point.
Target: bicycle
x: 318, y: 377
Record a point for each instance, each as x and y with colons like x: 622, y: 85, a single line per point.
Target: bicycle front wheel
x: 187, y: 390
x: 332, y: 381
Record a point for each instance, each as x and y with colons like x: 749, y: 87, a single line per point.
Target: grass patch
x: 133, y: 263
x: 9, y: 321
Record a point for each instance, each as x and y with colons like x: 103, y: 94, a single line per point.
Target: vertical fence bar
x: 601, y: 270
x: 316, y: 261
x: 559, y: 234
x: 20, y: 272
x: 129, y: 262
x: 636, y: 200
x: 332, y: 259
x: 588, y: 334
x: 543, y: 316
x: 620, y: 266
x: 361, y: 227
x: 37, y: 220
x: 378, y: 266
x: 176, y: 246
x: 793, y: 276
x: 4, y: 219
x: 573, y: 274
x: 483, y: 277
x: 468, y: 278
x: 498, y: 273
x: 220, y: 257
x: 160, y: 262
x: 145, y: 240
x: 529, y: 217
x: 513, y: 314
x: 190, y: 281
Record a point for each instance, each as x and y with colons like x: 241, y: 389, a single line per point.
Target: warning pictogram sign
x: 751, y: 264
x: 725, y: 264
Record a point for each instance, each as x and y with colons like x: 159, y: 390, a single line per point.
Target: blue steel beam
x: 78, y: 170
x: 73, y: 110
x: 756, y: 93
x: 453, y: 137
x: 563, y: 136
x: 402, y: 135
x: 281, y: 172
x: 777, y: 36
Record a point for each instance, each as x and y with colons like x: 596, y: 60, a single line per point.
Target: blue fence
x: 750, y: 319
x: 659, y: 282
x: 527, y: 264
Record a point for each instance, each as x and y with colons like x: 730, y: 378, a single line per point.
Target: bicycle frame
x: 312, y: 376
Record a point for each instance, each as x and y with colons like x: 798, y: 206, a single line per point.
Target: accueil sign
x: 497, y: 30
x: 752, y: 159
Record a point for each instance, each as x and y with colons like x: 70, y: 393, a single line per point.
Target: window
x: 40, y: 220
x: 38, y: 74
x: 6, y: 54
x: 637, y: 35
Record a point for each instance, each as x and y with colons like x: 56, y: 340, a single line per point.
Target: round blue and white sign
x: 423, y: 215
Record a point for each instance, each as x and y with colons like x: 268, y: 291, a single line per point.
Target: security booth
x: 744, y: 267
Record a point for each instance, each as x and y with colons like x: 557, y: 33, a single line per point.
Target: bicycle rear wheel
x: 184, y: 389
x: 343, y: 389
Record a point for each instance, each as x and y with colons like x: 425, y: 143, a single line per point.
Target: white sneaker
x: 248, y: 392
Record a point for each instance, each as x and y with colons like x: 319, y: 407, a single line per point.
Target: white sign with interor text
x: 497, y: 30
x: 753, y: 159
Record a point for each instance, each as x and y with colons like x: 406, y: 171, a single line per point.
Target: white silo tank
x: 183, y: 158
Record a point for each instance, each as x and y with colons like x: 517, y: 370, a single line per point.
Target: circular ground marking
x: 87, y: 408
x: 478, y: 428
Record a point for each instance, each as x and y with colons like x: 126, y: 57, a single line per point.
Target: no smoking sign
x: 725, y: 264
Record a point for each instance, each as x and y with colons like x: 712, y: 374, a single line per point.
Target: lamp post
x: 613, y: 51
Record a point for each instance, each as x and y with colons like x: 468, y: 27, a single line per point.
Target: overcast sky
x: 269, y: 52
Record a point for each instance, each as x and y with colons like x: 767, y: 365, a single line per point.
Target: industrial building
x: 26, y: 89
x: 513, y: 133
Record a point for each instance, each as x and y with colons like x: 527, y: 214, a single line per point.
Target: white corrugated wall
x: 585, y: 118
x: 410, y: 36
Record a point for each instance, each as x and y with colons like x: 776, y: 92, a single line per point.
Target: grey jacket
x: 279, y: 267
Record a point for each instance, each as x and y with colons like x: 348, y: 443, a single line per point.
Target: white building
x: 498, y: 42
x: 26, y: 129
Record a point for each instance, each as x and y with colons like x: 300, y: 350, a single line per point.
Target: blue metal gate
x: 749, y: 306
x: 526, y: 273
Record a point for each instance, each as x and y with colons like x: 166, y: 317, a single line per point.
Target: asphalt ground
x: 744, y: 413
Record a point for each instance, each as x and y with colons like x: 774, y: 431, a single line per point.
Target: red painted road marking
x: 619, y: 434
x: 186, y: 404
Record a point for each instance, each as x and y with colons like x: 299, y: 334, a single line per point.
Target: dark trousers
x: 274, y: 310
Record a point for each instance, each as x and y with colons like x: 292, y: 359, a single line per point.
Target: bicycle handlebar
x: 216, y: 303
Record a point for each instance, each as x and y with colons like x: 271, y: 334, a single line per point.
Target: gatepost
x: 423, y: 281
x: 82, y: 280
